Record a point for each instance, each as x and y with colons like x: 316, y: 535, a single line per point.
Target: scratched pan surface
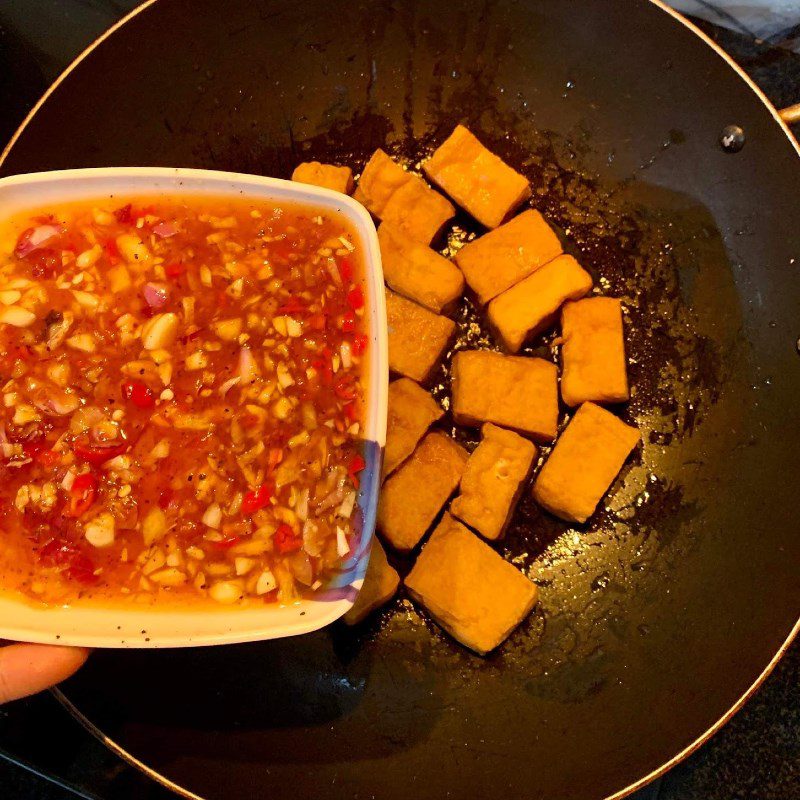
x: 657, y: 616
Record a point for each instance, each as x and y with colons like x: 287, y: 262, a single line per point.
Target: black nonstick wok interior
x: 661, y: 613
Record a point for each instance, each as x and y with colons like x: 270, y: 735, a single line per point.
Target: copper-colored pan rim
x: 71, y: 66
x: 700, y: 740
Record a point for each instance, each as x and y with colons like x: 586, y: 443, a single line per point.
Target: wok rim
x: 662, y: 769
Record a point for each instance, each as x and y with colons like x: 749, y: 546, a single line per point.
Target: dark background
x: 756, y: 756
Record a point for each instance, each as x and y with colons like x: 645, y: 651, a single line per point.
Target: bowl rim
x: 126, y: 625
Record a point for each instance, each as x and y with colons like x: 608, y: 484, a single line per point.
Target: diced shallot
x: 301, y: 506
x: 156, y: 294
x: 334, y: 271
x: 229, y: 384
x: 59, y: 403
x: 248, y: 370
x: 313, y: 542
x: 165, y: 229
x: 68, y: 480
x: 345, y: 510
x: 300, y: 566
x: 346, y: 351
x: 342, y: 548
x: 34, y: 238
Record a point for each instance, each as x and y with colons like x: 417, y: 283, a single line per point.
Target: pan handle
x: 790, y: 114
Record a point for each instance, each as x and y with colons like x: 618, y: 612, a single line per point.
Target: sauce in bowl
x: 182, y: 400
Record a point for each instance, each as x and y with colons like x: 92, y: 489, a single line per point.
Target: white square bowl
x: 151, y: 626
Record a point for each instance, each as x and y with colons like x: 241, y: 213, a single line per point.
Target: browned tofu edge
x: 396, y: 244
x: 538, y: 488
x: 498, y: 323
x: 343, y: 181
x: 463, y: 417
x: 389, y: 532
x: 616, y: 360
x: 423, y: 374
x: 444, y: 616
x: 454, y: 505
x: 432, y: 169
x: 381, y: 582
x: 411, y: 391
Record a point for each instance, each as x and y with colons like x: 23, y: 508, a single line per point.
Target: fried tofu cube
x: 328, y: 176
x: 418, y: 338
x: 497, y: 260
x: 477, y: 179
x: 416, y: 493
x: 402, y: 199
x: 531, y: 306
x: 586, y: 459
x: 593, y: 352
x: 379, y: 587
x: 492, y: 481
x: 412, y: 411
x: 468, y: 588
x: 417, y: 272
x: 512, y: 391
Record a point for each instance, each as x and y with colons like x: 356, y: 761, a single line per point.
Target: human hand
x: 29, y: 668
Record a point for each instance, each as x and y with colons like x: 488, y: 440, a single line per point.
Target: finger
x: 29, y: 668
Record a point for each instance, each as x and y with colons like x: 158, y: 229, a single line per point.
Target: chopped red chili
x: 357, y: 463
x: 317, y: 322
x: 345, y: 389
x: 82, y: 494
x: 292, y: 306
x: 76, y: 565
x: 98, y: 453
x: 138, y: 393
x: 256, y: 499
x: 285, y: 539
x: 165, y: 498
x: 227, y: 542
x: 111, y: 251
x: 174, y: 270
x: 355, y: 298
x: 359, y: 345
x: 348, y: 322
x: 346, y: 269
x: 123, y: 214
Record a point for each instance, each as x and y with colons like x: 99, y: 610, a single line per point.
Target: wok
x: 656, y: 620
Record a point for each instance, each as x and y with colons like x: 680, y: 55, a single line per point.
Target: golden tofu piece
x: 418, y: 338
x: 414, y: 495
x: 531, y: 306
x: 593, y: 352
x: 586, y: 459
x: 328, y: 176
x: 512, y: 391
x: 417, y: 272
x: 380, y: 585
x: 477, y: 179
x: 411, y: 412
x: 468, y: 588
x: 402, y: 199
x: 499, y: 259
x: 492, y: 481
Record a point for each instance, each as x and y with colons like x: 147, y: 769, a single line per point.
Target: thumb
x: 29, y: 668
